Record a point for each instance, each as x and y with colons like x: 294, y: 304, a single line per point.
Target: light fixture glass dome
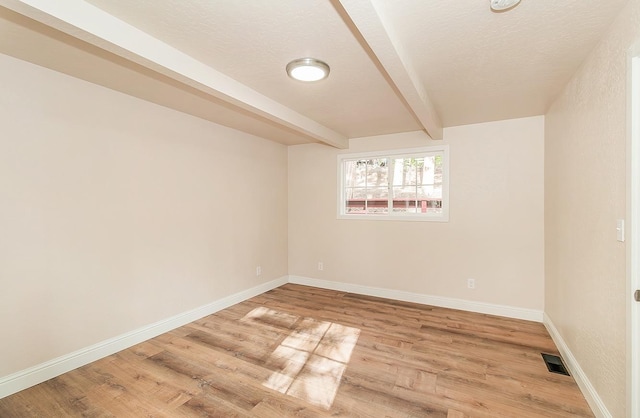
x: 499, y: 5
x: 307, y: 69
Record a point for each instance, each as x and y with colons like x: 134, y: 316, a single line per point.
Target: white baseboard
x: 593, y: 399
x: 464, y: 305
x: 55, y: 367
x: 50, y: 369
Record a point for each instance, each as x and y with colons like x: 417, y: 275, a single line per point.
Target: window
x: 411, y: 184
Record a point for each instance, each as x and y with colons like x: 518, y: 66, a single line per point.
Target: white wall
x: 495, y: 233
x: 116, y: 213
x: 585, y: 139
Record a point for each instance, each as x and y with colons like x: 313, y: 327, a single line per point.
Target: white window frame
x: 408, y: 152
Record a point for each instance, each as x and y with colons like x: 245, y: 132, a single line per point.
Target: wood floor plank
x: 274, y: 406
x: 207, y: 406
x: 299, y: 351
x: 143, y: 382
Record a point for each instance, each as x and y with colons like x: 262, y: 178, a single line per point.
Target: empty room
x: 355, y: 208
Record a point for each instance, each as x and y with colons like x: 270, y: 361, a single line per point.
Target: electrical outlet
x: 258, y: 271
x: 320, y: 266
x: 471, y: 283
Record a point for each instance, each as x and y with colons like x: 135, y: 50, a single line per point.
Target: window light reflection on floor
x: 312, y: 358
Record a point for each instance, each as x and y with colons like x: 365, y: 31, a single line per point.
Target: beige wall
x: 116, y: 213
x: 495, y: 233
x: 584, y: 195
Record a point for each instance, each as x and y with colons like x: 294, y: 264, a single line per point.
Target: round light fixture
x: 307, y: 69
x: 500, y: 5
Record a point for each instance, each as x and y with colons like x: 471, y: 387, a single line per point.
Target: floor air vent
x: 554, y: 364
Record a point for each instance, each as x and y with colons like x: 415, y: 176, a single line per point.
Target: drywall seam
x: 444, y: 302
x: 37, y: 374
x: 593, y: 399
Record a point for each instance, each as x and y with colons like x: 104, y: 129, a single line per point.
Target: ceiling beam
x: 93, y: 25
x: 384, y: 48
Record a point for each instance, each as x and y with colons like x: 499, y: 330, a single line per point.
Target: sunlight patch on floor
x: 318, y: 382
x: 311, y: 360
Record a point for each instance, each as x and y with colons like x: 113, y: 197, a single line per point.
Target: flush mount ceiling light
x: 500, y: 5
x: 307, y: 69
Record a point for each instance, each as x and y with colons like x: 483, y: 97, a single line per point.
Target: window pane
x: 366, y: 186
x: 431, y: 198
x: 404, y: 199
x: 437, y: 161
x: 378, y: 200
x: 405, y: 206
x: 430, y: 191
x: 355, y: 198
x: 355, y: 173
x: 355, y: 193
x: 377, y: 173
x: 366, y: 173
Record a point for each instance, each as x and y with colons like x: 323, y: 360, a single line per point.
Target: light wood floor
x: 298, y: 351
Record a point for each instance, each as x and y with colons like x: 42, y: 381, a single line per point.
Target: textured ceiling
x: 252, y: 41
x: 480, y: 66
x: 396, y: 65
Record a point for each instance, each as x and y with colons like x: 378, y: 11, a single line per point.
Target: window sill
x: 410, y: 218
